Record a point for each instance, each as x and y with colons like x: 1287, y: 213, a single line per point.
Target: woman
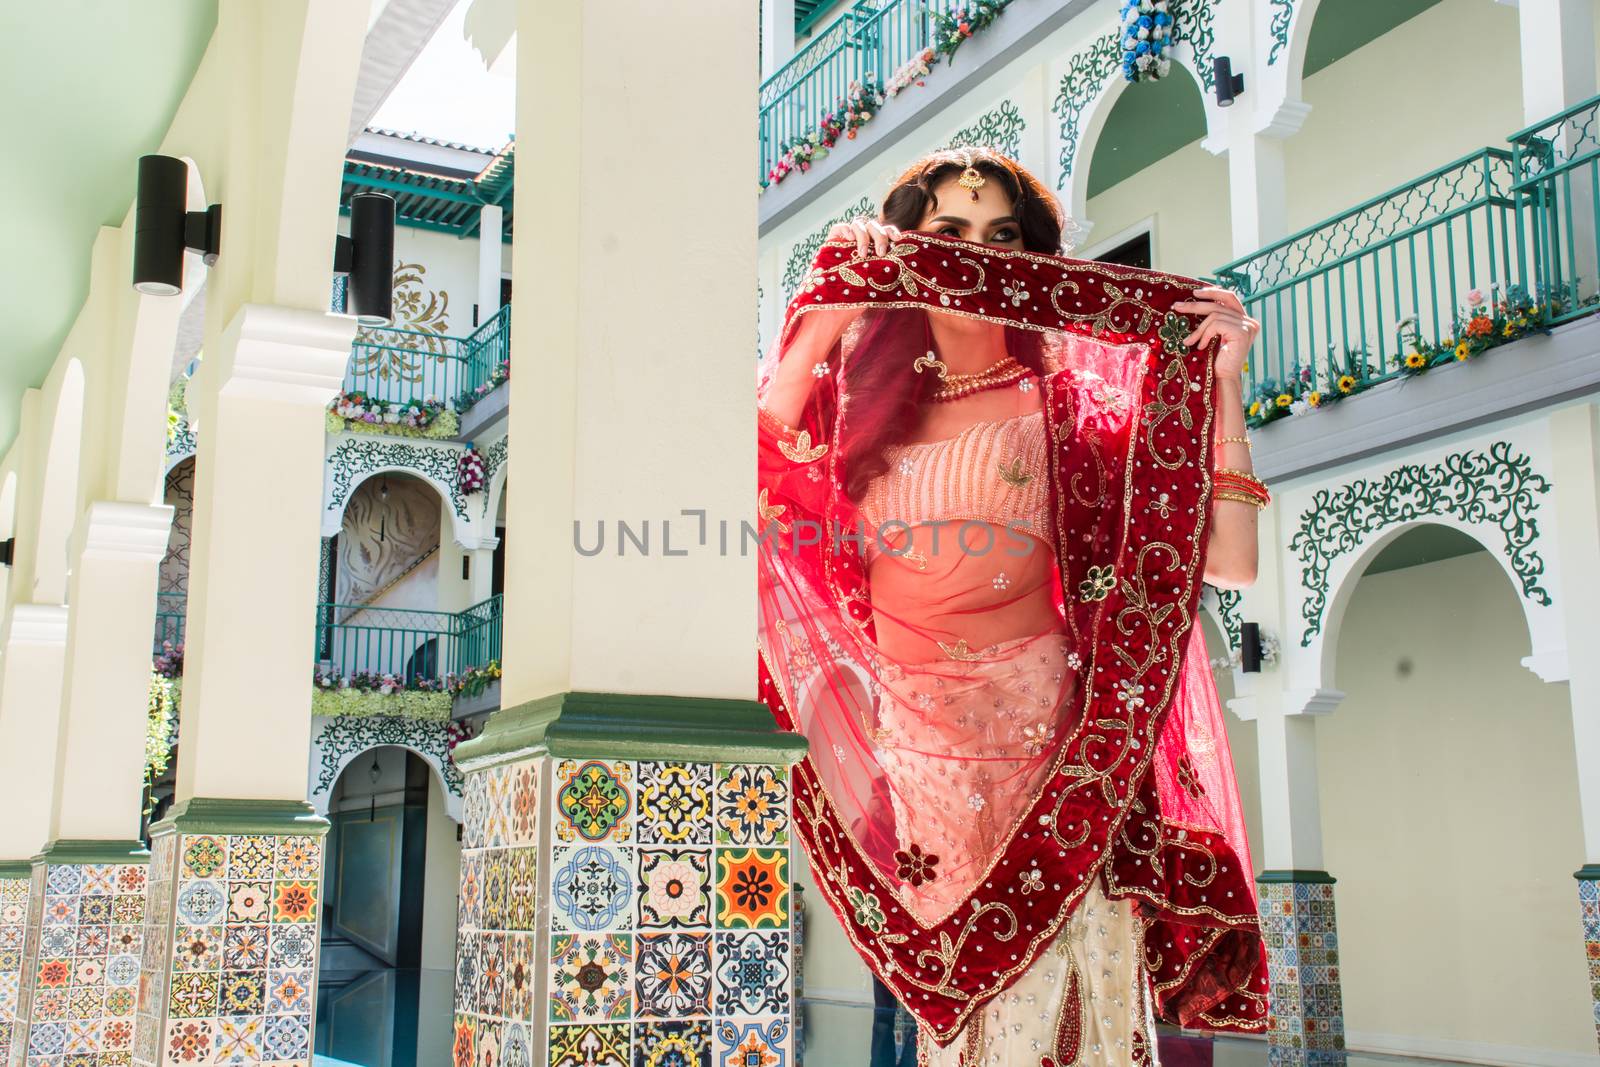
x: 991, y: 481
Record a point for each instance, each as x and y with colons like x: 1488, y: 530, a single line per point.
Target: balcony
x: 421, y: 649
x: 1473, y: 256
x: 425, y: 382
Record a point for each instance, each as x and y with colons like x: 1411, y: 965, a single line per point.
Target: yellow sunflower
x: 1314, y: 398
x: 1284, y: 400
x: 1463, y: 350
x: 1346, y: 383
x: 1416, y: 361
x: 1255, y: 408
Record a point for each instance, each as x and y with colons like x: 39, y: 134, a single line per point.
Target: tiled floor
x: 836, y: 1035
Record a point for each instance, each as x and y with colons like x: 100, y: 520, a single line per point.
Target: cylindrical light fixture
x: 370, y: 295
x: 158, y: 219
x: 1250, y: 648
x: 1228, y: 84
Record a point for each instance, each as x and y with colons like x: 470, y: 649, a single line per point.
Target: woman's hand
x: 1224, y: 319
x: 867, y: 234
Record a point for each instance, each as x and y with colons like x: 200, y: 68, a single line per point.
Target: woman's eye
x: 949, y: 231
x: 1003, y: 236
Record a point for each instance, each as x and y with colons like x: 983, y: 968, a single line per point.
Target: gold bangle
x: 1237, y: 473
x: 1237, y: 438
x: 1240, y: 498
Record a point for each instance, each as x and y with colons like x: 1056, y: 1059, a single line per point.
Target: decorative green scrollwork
x: 1087, y: 72
x: 1494, y: 487
x: 1282, y: 15
x: 1228, y: 613
x: 1192, y: 22
x: 493, y: 460
x: 800, y: 257
x: 1000, y: 128
x: 339, y: 739
x: 354, y: 459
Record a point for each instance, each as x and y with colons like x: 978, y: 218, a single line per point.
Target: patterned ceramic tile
x: 672, y: 975
x: 675, y: 803
x: 752, y: 973
x: 753, y: 1043
x: 65, y: 981
x: 589, y: 1045
x: 752, y: 804
x: 229, y: 963
x: 13, y: 929
x: 1589, y: 909
x: 1298, y: 924
x: 674, y: 887
x: 591, y: 977
x: 752, y: 888
x: 591, y: 888
x: 594, y: 801
x: 670, y: 1044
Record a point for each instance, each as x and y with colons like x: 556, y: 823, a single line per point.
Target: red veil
x: 960, y: 798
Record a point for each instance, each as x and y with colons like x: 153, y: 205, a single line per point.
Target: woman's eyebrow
x: 965, y: 222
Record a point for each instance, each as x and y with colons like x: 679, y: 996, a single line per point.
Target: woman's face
x: 988, y: 220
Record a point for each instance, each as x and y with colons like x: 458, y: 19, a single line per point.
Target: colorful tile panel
x: 1589, y: 906
x: 1298, y: 923
x: 79, y: 963
x: 230, y: 950
x: 668, y: 939
x: 13, y: 930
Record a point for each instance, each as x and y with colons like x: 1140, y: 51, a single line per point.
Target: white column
x: 253, y: 576
x: 33, y: 650
x: 1558, y: 55
x: 1291, y: 812
x: 777, y: 36
x: 491, y: 231
x: 116, y: 557
x: 641, y: 318
x: 1575, y: 470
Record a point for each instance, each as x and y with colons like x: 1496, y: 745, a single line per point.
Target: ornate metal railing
x: 399, y: 366
x: 1345, y: 296
x: 867, y: 42
x: 1556, y: 164
x: 171, y: 610
x: 407, y: 643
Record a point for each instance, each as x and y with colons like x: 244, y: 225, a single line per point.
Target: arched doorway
x: 1450, y: 815
x: 384, y: 980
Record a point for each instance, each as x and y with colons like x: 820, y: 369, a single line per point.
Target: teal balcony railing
x: 407, y: 643
x: 402, y: 366
x: 171, y: 610
x: 867, y: 42
x: 1557, y: 168
x: 1332, y: 298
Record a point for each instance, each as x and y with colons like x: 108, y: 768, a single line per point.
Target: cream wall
x: 1450, y: 819
x: 1435, y: 88
x: 1185, y: 196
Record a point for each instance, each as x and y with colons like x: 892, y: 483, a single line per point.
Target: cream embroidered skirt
x: 1085, y: 1001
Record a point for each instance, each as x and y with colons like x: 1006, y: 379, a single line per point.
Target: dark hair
x: 884, y: 396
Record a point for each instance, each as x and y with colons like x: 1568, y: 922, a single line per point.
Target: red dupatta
x: 1136, y: 785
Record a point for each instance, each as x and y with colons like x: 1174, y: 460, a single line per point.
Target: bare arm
x: 1234, y: 554
x: 818, y: 332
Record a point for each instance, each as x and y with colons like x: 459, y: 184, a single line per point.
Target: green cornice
x: 630, y: 726
x: 1589, y: 872
x: 222, y: 815
x: 1290, y: 877
x: 16, y: 869
x: 96, y: 852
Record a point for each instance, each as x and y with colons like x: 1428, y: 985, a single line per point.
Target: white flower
x: 906, y: 467
x: 1001, y: 581
x: 1074, y: 661
x: 1026, y: 385
x: 1299, y: 407
x: 976, y: 802
x: 1128, y: 692
x: 1164, y: 67
x: 820, y: 370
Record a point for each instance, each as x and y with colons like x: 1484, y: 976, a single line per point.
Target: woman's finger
x: 1205, y: 324
x: 863, y: 237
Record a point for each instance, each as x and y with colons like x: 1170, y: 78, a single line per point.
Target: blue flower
x: 1141, y: 48
x: 1162, y: 18
x: 1145, y: 22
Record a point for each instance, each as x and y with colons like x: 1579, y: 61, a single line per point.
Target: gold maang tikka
x: 971, y: 179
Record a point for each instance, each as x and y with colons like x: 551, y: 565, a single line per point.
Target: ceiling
x: 93, y: 86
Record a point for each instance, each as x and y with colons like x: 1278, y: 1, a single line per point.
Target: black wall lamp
x: 164, y: 228
x: 1229, y: 85
x: 8, y: 551
x: 1250, y: 648
x: 367, y: 258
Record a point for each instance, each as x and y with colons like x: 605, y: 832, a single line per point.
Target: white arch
x: 58, y: 504
x: 324, y: 778
x: 1312, y: 678
x: 1092, y: 122
x: 463, y: 529
x: 493, y: 492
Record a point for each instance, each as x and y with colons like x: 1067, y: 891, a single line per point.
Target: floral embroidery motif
x: 771, y: 513
x: 1174, y: 328
x: 1098, y: 584
x: 868, y: 913
x: 1189, y: 778
x: 914, y: 865
x: 1014, y: 473
x: 1032, y: 880
x: 801, y: 451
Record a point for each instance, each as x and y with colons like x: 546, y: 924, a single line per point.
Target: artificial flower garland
x: 1146, y: 36
x: 1481, y: 324
x: 470, y: 476
x: 473, y: 680
x: 497, y: 377
x: 428, y: 419
x: 368, y: 693
x: 858, y: 106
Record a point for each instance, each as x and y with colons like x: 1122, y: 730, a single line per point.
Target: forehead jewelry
x: 971, y: 179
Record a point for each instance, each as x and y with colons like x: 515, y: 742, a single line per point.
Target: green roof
x: 430, y: 200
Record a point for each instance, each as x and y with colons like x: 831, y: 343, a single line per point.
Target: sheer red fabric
x: 987, y: 632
